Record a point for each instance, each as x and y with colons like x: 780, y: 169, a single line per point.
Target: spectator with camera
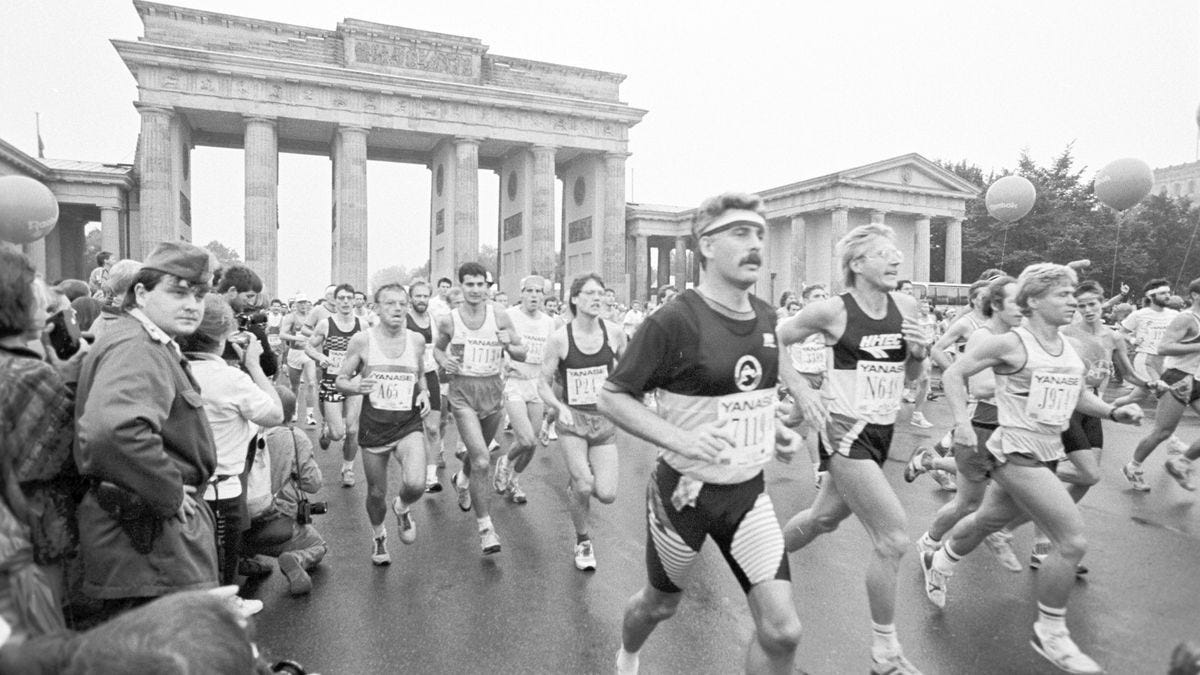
x: 277, y: 486
x: 238, y: 399
x: 120, y: 276
x: 144, y: 442
x: 241, y: 287
x: 104, y: 263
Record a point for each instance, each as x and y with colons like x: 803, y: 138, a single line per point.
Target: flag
x: 41, y: 145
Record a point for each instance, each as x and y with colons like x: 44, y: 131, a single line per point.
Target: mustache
x: 752, y: 259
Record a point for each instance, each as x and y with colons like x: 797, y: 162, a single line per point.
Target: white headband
x: 729, y: 219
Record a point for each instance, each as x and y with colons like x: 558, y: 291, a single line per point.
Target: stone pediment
x: 910, y: 172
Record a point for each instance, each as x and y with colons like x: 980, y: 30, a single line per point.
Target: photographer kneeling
x: 281, y: 515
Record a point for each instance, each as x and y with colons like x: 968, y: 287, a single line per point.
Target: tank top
x: 809, y: 357
x: 976, y: 324
x: 427, y: 334
x: 479, y: 348
x: 983, y: 408
x: 393, y: 404
x: 1036, y: 402
x: 1096, y: 353
x: 273, y: 323
x: 582, y: 375
x: 534, y: 332
x: 335, y: 345
x: 866, y: 380
x: 1188, y: 363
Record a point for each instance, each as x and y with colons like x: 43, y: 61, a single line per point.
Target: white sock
x: 347, y: 465
x: 627, y: 662
x: 380, y: 530
x: 1135, y: 464
x: 1052, y: 618
x: 485, y: 523
x: 430, y: 473
x: 883, y: 640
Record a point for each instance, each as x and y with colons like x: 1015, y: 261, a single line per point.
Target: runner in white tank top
x: 1039, y: 383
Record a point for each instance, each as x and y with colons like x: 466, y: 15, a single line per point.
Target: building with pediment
x: 924, y: 203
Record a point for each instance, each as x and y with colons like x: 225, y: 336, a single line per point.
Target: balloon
x: 1010, y: 198
x: 28, y: 210
x: 1123, y: 183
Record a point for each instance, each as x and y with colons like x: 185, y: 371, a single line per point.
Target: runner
x: 522, y: 401
x: 324, y: 309
x: 712, y: 357
x: 421, y: 321
x: 1040, y: 381
x: 876, y: 343
x: 391, y: 360
x: 810, y: 359
x: 327, y: 347
x: 302, y: 370
x: 581, y: 356
x: 470, y: 342
x: 917, y: 391
x: 1180, y: 344
x: 1144, y: 329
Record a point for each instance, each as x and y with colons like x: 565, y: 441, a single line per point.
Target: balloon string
x: 1186, y: 253
x: 1004, y: 244
x: 1112, y: 284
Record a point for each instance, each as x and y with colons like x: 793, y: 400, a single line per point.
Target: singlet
x: 393, y: 404
x: 1096, y: 353
x: 335, y: 345
x: 976, y: 324
x: 534, y: 332
x: 274, y: 321
x: 479, y: 348
x: 1188, y: 363
x: 809, y: 357
x: 728, y: 367
x: 866, y: 380
x: 1036, y: 402
x: 427, y: 334
x: 1148, y: 326
x: 582, y: 375
x: 983, y: 408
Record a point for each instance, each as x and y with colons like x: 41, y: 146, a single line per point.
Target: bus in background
x: 943, y: 295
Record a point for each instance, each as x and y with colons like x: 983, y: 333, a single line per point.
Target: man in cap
x: 144, y: 442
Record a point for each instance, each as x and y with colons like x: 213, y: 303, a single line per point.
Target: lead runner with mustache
x: 877, y: 343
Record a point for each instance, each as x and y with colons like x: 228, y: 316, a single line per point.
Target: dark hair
x: 1089, y: 286
x: 343, y: 287
x: 419, y: 282
x: 240, y: 277
x: 471, y: 269
x: 900, y: 284
x: 102, y: 257
x: 389, y: 287
x: 991, y: 273
x: 17, y: 297
x: 577, y: 288
x: 73, y: 289
x: 148, y: 278
x: 1194, y: 287
x: 808, y: 290
x: 993, y: 296
x: 783, y: 299
x: 662, y: 292
x: 1154, y: 283
x: 364, y: 295
x: 976, y: 287
x: 276, y: 301
x: 448, y: 281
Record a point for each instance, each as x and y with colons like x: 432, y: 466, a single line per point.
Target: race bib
x: 336, y: 356
x: 1052, y: 396
x: 878, y: 387
x: 535, y: 348
x: 273, y: 339
x: 393, y: 390
x: 808, y: 357
x: 481, y: 357
x: 583, y: 384
x: 750, y: 416
x: 1154, y: 334
x: 430, y: 363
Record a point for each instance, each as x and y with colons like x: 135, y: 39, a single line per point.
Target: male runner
x: 391, y: 360
x: 470, y: 343
x: 581, y: 355
x: 712, y: 356
x: 1040, y: 382
x: 302, y: 370
x: 440, y: 304
x: 1180, y: 347
x: 324, y: 308
x: 421, y: 321
x: 1144, y: 329
x: 917, y: 392
x: 327, y: 347
x: 810, y: 359
x: 522, y: 401
x: 876, y: 344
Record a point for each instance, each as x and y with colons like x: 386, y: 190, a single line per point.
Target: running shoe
x: 253, y: 568
x: 918, y: 463
x: 918, y: 420
x: 433, y: 483
x: 379, y: 552
x: 463, y: 489
x: 348, y: 477
x: 488, y: 541
x: 299, y: 583
x: 1000, y: 544
x: 493, y: 446
x: 552, y: 433
x: 819, y: 477
x: 1134, y: 476
x: 324, y: 439
x: 935, y: 582
x: 585, y: 557
x: 1180, y: 469
x: 895, y: 664
x: 1059, y: 649
x: 923, y: 547
x: 502, y: 475
x: 1041, y: 549
x: 310, y: 421
x: 515, y: 494
x: 404, y: 522
x: 1175, y: 446
x: 909, y: 396
x: 247, y: 607
x: 944, y: 480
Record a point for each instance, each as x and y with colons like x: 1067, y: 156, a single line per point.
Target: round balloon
x: 28, y: 210
x: 1010, y: 198
x: 1123, y: 183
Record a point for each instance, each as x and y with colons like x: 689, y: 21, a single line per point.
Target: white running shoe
x: 895, y: 664
x: 502, y: 475
x: 246, y: 607
x: 310, y: 421
x: 918, y: 464
x: 918, y: 420
x: 1000, y: 544
x: 488, y: 541
x: 463, y: 489
x: 1175, y: 446
x: 1059, y: 649
x: 923, y: 547
x: 515, y: 494
x: 585, y: 557
x: 935, y: 581
x: 1135, y: 477
x: 404, y: 522
x: 379, y: 552
x: 1180, y: 468
x: 348, y: 477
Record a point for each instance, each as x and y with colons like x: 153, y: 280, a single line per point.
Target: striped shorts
x: 740, y: 518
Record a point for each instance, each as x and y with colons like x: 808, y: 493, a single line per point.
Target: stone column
x: 840, y: 225
x: 541, y: 256
x: 878, y: 217
x: 261, y: 149
x: 664, y: 263
x: 641, y: 267
x: 613, y: 230
x: 466, y: 200
x: 921, y: 250
x: 799, y: 253
x: 679, y: 269
x: 110, y: 230
x: 158, y: 204
x: 350, y: 200
x: 954, y: 251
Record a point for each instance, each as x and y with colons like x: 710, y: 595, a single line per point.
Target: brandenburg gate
x: 368, y: 91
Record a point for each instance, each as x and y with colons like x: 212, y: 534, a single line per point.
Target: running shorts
x: 521, y: 391
x: 328, y: 392
x: 739, y: 517
x: 482, y: 395
x: 1183, y: 386
x: 976, y: 464
x: 434, y: 389
x: 592, y: 427
x: 1149, y: 367
x: 297, y: 359
x: 407, y: 430
x: 1084, y: 433
x: 854, y: 439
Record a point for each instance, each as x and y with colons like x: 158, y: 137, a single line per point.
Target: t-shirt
x: 1148, y: 325
x: 236, y: 409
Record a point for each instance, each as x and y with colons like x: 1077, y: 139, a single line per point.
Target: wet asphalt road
x: 443, y: 608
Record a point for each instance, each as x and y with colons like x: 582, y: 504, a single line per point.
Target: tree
x: 224, y: 254
x: 93, y: 243
x: 394, y: 274
x: 487, y: 257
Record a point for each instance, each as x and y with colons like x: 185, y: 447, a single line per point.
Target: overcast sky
x: 747, y: 98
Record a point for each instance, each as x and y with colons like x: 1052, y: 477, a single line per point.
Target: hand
x: 807, y: 408
x: 1080, y: 265
x: 787, y: 443
x: 707, y: 441
x: 1130, y: 413
x: 964, y: 435
x: 504, y: 336
x: 563, y: 413
x: 254, y: 349
x: 916, y: 339
x: 1124, y: 288
x: 366, y: 385
x: 69, y: 369
x: 452, y: 365
x: 423, y: 403
x: 187, y: 507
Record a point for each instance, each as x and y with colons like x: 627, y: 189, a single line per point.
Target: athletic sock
x: 347, y: 465
x: 580, y: 538
x: 627, y: 662
x: 1134, y: 464
x: 883, y: 641
x: 485, y: 523
x: 945, y: 559
x: 430, y: 473
x: 1052, y: 618
x: 929, y: 542
x: 380, y: 530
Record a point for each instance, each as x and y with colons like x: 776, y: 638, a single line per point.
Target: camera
x: 305, y: 510
x: 64, y: 333
x: 247, y: 319
x: 240, y: 338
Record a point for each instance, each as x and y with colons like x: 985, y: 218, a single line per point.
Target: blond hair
x: 1037, y: 280
x: 855, y: 244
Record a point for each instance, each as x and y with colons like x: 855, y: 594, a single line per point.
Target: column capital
x: 615, y: 155
x: 352, y: 129
x: 543, y: 148
x: 840, y: 209
x: 151, y: 109
x: 924, y: 216
x: 265, y: 119
x: 115, y: 209
x: 474, y: 140
x: 796, y: 218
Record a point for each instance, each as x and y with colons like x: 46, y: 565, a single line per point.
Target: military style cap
x: 181, y: 259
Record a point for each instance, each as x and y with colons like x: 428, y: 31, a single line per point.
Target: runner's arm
x: 956, y: 331
x: 510, y: 339
x: 812, y: 320
x: 990, y: 352
x: 1179, y: 330
x: 555, y: 348
x: 314, y: 344
x: 445, y: 331
x: 1094, y: 406
x: 629, y: 413
x: 351, y: 365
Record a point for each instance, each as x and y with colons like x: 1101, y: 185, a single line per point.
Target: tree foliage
x: 224, y: 254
